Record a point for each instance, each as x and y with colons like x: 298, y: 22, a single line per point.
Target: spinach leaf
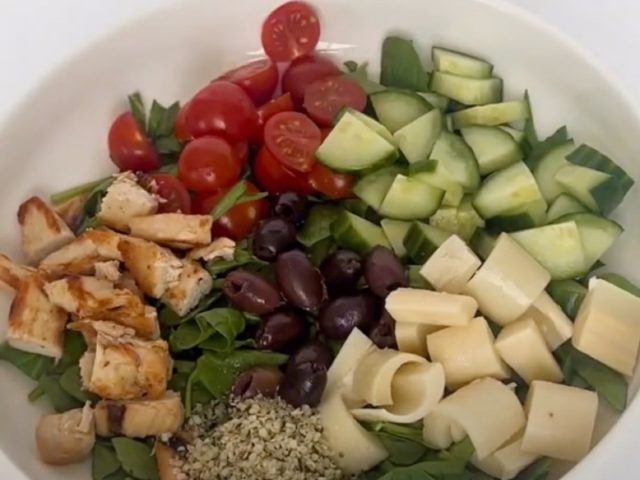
x: 215, y: 329
x: 35, y: 394
x: 136, y: 106
x: 82, y: 189
x: 31, y: 364
x: 74, y: 347
x: 242, y: 360
x: 569, y: 294
x: 158, y: 126
x: 536, y: 471
x: 401, y: 450
x: 162, y: 119
x: 168, y: 317
x: 317, y: 226
x: 71, y: 383
x: 460, y: 452
x: 58, y: 397
x: 411, y: 432
x: 104, y: 462
x: 401, y: 67
x: 241, y: 257
x: 136, y: 458
x: 358, y: 73
x: 621, y: 282
x: 189, y: 334
x: 236, y: 195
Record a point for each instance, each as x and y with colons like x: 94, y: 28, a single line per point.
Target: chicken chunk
x: 124, y: 200
x: 12, y: 274
x: 66, y: 437
x: 42, y: 230
x: 108, y: 270
x: 140, y: 418
x: 222, y: 247
x: 193, y: 284
x: 35, y: 324
x: 154, y: 268
x: 72, y: 211
x: 176, y: 230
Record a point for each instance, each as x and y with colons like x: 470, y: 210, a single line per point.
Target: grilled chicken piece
x: 165, y: 460
x: 222, y: 247
x: 72, y: 211
x: 124, y: 200
x: 175, y: 230
x: 108, y: 270
x: 13, y: 274
x: 66, y: 437
x: 193, y: 284
x: 42, y: 230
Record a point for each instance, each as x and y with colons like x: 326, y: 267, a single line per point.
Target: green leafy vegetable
x: 320, y: 250
x: 236, y: 195
x: 242, y: 257
x: 218, y: 328
x: 358, y: 73
x: 58, y: 397
x: 31, y: 364
x: 158, y: 126
x: 136, y: 106
x: 401, y: 67
x: 401, y: 450
x: 530, y: 134
x: 136, y: 458
x: 168, y: 317
x: 621, y: 282
x: 74, y: 348
x: 536, y: 471
x: 317, y: 226
x: 104, y: 462
x: 68, y: 194
x: 569, y: 294
x: 71, y: 383
x: 410, y: 432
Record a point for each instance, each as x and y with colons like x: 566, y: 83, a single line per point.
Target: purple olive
x: 280, y: 331
x: 383, y: 332
x: 384, y: 272
x: 257, y: 381
x: 341, y: 271
x: 304, y: 384
x: 251, y: 293
x: 300, y: 282
x: 272, y: 237
x: 291, y: 206
x: 340, y: 316
x: 315, y: 351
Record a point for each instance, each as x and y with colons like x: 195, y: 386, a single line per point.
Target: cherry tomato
x: 242, y: 151
x: 303, y: 72
x: 208, y: 164
x: 293, y: 139
x: 222, y: 108
x: 175, y: 195
x: 274, y: 177
x: 240, y: 220
x: 290, y: 31
x: 324, y: 98
x: 180, y: 130
x: 333, y: 184
x: 258, y: 79
x: 281, y: 104
x: 325, y: 132
x: 129, y: 148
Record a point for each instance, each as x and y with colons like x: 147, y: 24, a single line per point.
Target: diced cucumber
x: 532, y: 214
x: 456, y: 160
x: 433, y: 173
x: 482, y: 243
x: 453, y: 195
x: 356, y: 233
x: 518, y: 135
x: 557, y: 247
x: 395, y: 230
x: 369, y: 122
x: 373, y: 187
x: 493, y: 147
x: 422, y: 240
x: 416, y: 280
x: 462, y: 220
x: 492, y: 115
x: 468, y: 91
x: 397, y: 108
x: 416, y: 140
x: 353, y: 146
x: 436, y: 100
x: 589, y: 186
x: 449, y: 61
x: 547, y: 167
x: 360, y: 208
x: 569, y: 294
x: 564, y: 204
x: 410, y: 199
x: 597, y: 234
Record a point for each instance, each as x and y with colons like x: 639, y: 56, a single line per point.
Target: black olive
x: 304, y: 384
x: 340, y: 316
x: 257, y: 381
x: 315, y: 351
x: 272, y: 237
x: 341, y: 271
x: 251, y: 293
x: 384, y: 272
x: 301, y: 283
x: 383, y: 332
x: 291, y: 206
x: 280, y: 331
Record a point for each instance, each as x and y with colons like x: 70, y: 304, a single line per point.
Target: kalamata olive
x: 280, y: 331
x: 272, y: 237
x: 304, y: 384
x: 291, y: 206
x: 315, y: 351
x: 257, y: 381
x: 383, y: 271
x: 341, y: 271
x: 300, y: 282
x: 251, y: 293
x: 383, y: 333
x: 340, y: 316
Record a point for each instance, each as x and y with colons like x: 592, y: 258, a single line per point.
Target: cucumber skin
x: 341, y: 230
x: 363, y: 187
x: 419, y: 247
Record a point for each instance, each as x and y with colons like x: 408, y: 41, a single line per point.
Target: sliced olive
x: 251, y: 293
x: 301, y: 283
x: 384, y: 272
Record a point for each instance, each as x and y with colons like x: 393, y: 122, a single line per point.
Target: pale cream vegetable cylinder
x: 451, y: 266
x: 355, y: 348
x: 555, y: 326
x: 414, y: 305
x: 412, y: 337
x: 507, y: 462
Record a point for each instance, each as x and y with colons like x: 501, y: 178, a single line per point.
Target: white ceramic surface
x: 57, y: 139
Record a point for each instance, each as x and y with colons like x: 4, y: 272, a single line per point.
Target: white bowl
x: 57, y: 138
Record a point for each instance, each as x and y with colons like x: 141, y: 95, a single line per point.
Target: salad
x: 302, y: 273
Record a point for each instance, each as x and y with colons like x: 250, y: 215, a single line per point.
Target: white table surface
x: 37, y: 35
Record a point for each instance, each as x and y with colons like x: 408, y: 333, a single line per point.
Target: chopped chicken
x: 108, y: 270
x: 153, y: 267
x: 12, y: 274
x: 166, y: 458
x: 193, y: 284
x: 139, y: 418
x: 222, y: 247
x: 35, y: 324
x: 43, y: 231
x: 66, y: 437
x: 121, y: 366
x: 127, y: 282
x: 89, y: 297
x: 72, y: 211
x: 176, y: 230
x: 124, y: 200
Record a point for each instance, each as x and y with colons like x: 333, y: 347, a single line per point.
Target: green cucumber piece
x: 353, y: 146
x: 396, y: 230
x: 397, y: 108
x: 532, y: 214
x: 416, y: 140
x: 360, y: 208
x: 436, y: 100
x: 518, y: 135
x: 450, y: 61
x: 589, y: 186
x: 569, y: 294
x: 492, y: 115
x: 493, y: 148
x: 372, y: 188
x: 482, y: 243
x: 356, y: 233
x: 462, y: 220
x: 369, y: 122
x: 547, y: 167
x: 422, y: 240
x: 456, y: 160
x: 433, y: 173
x: 410, y: 199
x: 564, y: 204
x: 468, y: 91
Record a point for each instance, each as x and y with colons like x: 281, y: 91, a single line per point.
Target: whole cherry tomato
x: 208, y: 164
x: 173, y: 192
x: 180, y: 130
x: 303, y: 72
x: 324, y: 98
x: 283, y: 103
x: 290, y: 31
x: 333, y: 184
x: 293, y: 139
x: 129, y: 148
x: 274, y: 177
x: 258, y: 79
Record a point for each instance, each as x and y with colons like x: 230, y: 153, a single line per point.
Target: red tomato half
x: 180, y: 129
x: 290, y: 31
x: 303, y: 72
x: 293, y: 139
x: 326, y: 97
x: 208, y: 164
x: 222, y: 108
x: 242, y: 151
x: 173, y: 192
x: 274, y: 177
x: 258, y: 79
x: 281, y: 104
x: 333, y: 184
x: 129, y: 148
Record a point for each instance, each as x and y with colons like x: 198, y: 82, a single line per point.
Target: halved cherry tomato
x: 293, y: 139
x: 129, y: 147
x: 242, y: 151
x: 333, y: 184
x: 180, y: 130
x: 290, y: 31
x: 325, y: 132
x: 281, y: 104
x: 208, y: 164
x: 240, y: 220
x: 303, y: 72
x: 274, y: 177
x: 326, y: 97
x: 258, y: 79
x: 173, y: 192
x: 222, y: 108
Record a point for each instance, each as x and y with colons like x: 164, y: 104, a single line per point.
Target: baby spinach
x: 569, y: 294
x: 317, y: 226
x: 31, y: 364
x: 236, y: 195
x: 242, y: 257
x: 215, y: 329
x: 57, y: 396
x: 74, y: 348
x: 71, y: 383
x: 158, y: 126
x: 104, y: 461
x: 136, y: 458
x: 401, y: 67
x: 168, y: 317
x: 401, y: 450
